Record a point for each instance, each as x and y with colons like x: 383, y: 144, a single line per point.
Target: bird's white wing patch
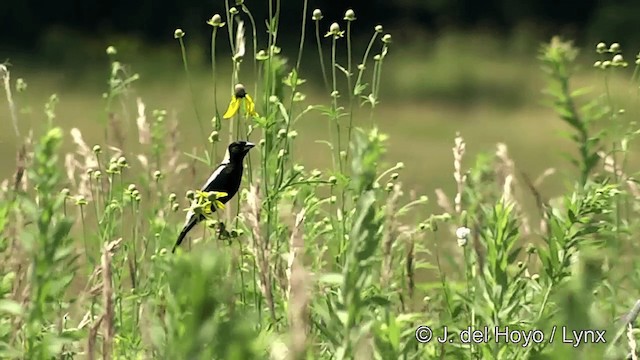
x: 214, y: 175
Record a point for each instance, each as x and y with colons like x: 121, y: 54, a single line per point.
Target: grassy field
x: 340, y: 264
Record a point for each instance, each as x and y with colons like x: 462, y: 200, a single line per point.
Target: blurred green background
x: 469, y: 66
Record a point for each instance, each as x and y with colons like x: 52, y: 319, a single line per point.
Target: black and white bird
x: 225, y: 178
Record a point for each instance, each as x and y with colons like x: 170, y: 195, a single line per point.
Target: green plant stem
x: 321, y: 56
x: 185, y: 64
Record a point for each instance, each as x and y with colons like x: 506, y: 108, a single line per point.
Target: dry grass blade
x: 144, y: 130
x: 298, y: 292
x: 443, y: 201
x: 506, y: 171
x: 259, y: 246
x: 632, y: 342
x: 611, y: 167
x: 107, y: 296
x: 93, y: 338
x: 458, y: 152
x: 117, y: 130
x: 409, y: 267
x: 6, y: 79
x: 390, y: 235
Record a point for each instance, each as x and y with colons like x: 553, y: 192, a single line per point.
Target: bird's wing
x: 216, y: 180
x: 213, y: 182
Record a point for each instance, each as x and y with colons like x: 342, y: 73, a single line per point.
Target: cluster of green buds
x: 616, y: 61
x: 173, y: 202
x: 117, y: 165
x: 133, y: 193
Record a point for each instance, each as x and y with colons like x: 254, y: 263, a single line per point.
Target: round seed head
x: 111, y: 50
x: 233, y: 11
x: 97, y: 149
x: 178, y: 34
x: 614, y: 48
x: 157, y: 174
x: 214, y: 137
x: 601, y: 47
x: 463, y: 233
x: 172, y: 197
x: 617, y: 59
x: 239, y: 91
x: 379, y: 28
x: 334, y: 28
x: 317, y: 14
x: 386, y: 39
x: 350, y: 15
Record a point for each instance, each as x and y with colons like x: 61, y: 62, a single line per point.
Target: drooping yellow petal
x: 250, y: 106
x: 218, y: 204
x: 234, y: 105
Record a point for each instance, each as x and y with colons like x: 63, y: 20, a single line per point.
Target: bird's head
x: 238, y: 149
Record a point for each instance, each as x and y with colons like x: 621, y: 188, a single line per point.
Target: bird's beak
x: 248, y: 146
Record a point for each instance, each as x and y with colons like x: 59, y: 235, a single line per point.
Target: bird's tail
x: 192, y: 222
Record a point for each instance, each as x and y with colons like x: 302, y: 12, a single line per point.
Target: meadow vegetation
x: 357, y: 222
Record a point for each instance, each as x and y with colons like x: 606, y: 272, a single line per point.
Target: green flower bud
x: 214, y: 137
x: 317, y: 15
x: 21, y: 85
x: 111, y: 50
x: 379, y: 29
x: 614, y: 48
x: 335, y: 29
x: 80, y: 200
x: 349, y: 15
x: 178, y: 34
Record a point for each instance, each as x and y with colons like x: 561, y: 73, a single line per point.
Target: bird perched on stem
x: 225, y: 179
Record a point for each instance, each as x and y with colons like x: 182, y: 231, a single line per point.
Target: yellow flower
x: 239, y: 96
x: 204, y: 201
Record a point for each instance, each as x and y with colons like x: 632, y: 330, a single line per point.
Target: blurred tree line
x: 24, y: 23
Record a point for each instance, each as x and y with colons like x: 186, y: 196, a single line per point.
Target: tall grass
x: 340, y: 263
